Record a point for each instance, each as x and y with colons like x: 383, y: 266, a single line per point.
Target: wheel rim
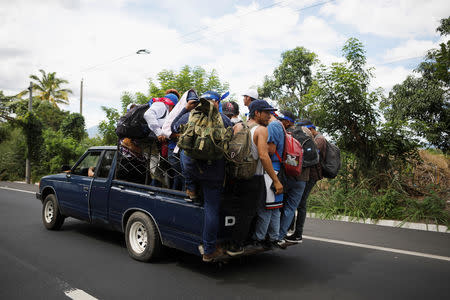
x: 49, y: 211
x: 138, y: 237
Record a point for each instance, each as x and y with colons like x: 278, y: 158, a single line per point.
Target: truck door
x: 78, y: 185
x: 98, y: 199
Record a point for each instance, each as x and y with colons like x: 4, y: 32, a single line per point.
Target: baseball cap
x: 172, y: 98
x: 192, y: 95
x: 251, y: 93
x: 260, y: 105
x: 286, y: 115
x: 210, y: 95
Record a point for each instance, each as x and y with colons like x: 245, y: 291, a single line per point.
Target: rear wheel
x: 51, y: 215
x: 142, y: 238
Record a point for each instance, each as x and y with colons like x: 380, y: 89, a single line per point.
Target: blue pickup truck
x: 110, y: 187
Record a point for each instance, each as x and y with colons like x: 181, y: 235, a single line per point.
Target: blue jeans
x: 267, y: 222
x: 292, y: 199
x: 210, y: 178
x: 175, y: 165
x: 301, y: 211
x: 212, y: 193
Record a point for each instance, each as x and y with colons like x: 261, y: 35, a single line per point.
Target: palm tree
x: 48, y: 88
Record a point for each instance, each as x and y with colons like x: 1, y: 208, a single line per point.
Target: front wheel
x: 51, y: 216
x: 142, y: 238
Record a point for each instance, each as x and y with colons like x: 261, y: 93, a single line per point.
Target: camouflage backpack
x: 204, y: 136
x: 241, y: 164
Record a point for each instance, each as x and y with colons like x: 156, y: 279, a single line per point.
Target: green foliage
x: 196, y: 78
x: 107, y: 128
x: 423, y: 106
x: 423, y: 103
x: 73, y: 126
x: 32, y: 129
x: 48, y: 88
x: 361, y: 203
x: 291, y: 81
x: 12, y: 149
x: 129, y: 98
x: 59, y: 150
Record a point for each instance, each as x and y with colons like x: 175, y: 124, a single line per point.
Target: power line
x: 400, y: 59
x: 274, y: 5
x: 238, y: 16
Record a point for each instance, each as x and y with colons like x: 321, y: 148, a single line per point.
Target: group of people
x: 272, y: 209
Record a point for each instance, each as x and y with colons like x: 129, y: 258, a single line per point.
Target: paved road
x: 83, y: 260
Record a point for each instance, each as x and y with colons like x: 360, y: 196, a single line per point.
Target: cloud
x: 411, y: 49
x: 404, y: 18
x: 386, y: 77
x: 97, y: 41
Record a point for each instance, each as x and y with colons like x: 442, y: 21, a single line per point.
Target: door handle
x: 85, y: 188
x: 121, y: 187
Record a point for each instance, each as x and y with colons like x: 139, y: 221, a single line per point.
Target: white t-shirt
x: 259, y: 167
x: 155, y: 116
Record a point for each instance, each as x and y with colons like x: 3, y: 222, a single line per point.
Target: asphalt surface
x: 39, y: 264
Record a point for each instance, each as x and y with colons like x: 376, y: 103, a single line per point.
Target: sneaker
x: 254, y: 245
x: 268, y: 245
x: 282, y: 244
x: 210, y: 257
x: 235, y: 250
x: 294, y: 239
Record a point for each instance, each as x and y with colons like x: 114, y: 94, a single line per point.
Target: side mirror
x: 65, y: 168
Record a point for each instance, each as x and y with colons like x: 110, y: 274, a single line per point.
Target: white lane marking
x: 432, y: 256
x: 77, y: 294
x: 70, y: 292
x: 11, y: 189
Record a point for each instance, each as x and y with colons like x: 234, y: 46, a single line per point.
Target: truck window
x: 87, y: 167
x: 142, y: 168
x: 105, y: 165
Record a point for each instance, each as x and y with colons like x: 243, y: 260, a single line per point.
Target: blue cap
x: 260, y: 105
x: 191, y: 95
x: 172, y: 97
x: 210, y: 95
x: 286, y: 115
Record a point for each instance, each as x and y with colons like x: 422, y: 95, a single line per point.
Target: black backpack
x: 133, y: 125
x: 332, y: 162
x: 310, y: 151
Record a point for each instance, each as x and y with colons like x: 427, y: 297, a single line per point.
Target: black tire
x: 51, y: 216
x: 142, y: 238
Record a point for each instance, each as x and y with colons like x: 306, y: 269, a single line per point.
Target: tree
x: 107, y: 128
x: 48, y: 88
x: 345, y: 108
x: 73, y: 126
x: 422, y: 103
x: 291, y: 80
x: 196, y: 78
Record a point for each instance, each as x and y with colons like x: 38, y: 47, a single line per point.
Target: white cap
x: 251, y: 93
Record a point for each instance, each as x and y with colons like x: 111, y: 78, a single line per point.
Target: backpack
x: 292, y: 155
x: 310, y: 151
x: 332, y: 162
x: 132, y: 124
x: 241, y: 164
x: 204, y: 137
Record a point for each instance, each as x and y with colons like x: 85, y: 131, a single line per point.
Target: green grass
x: 360, y: 203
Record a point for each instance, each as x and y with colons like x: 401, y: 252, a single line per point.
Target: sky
x: 243, y: 40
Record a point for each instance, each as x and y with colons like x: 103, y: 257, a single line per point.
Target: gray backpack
x: 240, y: 161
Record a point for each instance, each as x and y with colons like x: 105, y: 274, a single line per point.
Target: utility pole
x: 27, y: 162
x: 81, y: 97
